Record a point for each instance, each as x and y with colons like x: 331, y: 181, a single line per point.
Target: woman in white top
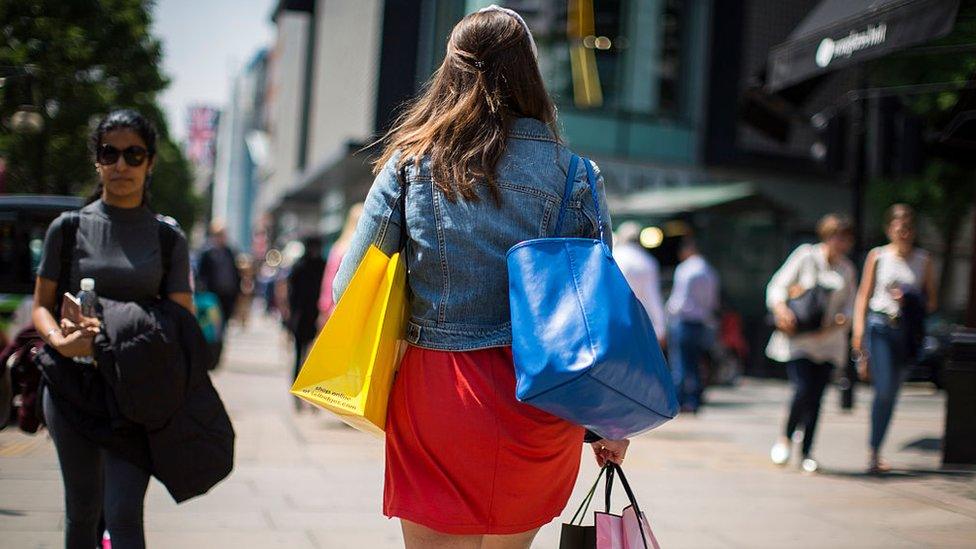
x: 811, y: 356
x: 897, y: 290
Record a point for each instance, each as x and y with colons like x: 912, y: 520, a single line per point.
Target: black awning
x: 840, y: 33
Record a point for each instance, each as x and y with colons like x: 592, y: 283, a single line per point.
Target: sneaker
x: 809, y: 465
x: 780, y: 453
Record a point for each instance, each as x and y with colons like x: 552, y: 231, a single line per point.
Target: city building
x: 242, y: 154
x: 337, y: 74
x: 663, y: 94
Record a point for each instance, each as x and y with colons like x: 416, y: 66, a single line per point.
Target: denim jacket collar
x: 530, y: 128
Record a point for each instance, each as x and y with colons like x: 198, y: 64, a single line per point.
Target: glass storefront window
x: 618, y: 56
x: 669, y: 73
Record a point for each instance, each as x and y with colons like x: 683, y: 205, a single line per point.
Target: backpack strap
x: 69, y: 237
x: 167, y: 242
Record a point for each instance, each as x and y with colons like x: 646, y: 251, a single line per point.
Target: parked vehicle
x: 24, y: 220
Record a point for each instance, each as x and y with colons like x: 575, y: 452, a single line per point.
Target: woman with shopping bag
x: 474, y: 167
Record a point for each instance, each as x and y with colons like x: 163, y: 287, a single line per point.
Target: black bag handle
x: 585, y: 505
x: 612, y: 470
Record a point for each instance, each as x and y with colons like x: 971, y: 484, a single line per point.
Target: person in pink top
x: 326, y: 300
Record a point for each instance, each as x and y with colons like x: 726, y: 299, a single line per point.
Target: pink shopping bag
x: 624, y: 532
x: 609, y: 531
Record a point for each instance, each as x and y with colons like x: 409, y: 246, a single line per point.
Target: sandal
x: 879, y: 466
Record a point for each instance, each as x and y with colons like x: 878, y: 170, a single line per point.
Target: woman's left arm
x: 379, y: 224
x: 931, y: 287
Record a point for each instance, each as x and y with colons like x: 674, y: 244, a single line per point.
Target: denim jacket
x: 456, y: 251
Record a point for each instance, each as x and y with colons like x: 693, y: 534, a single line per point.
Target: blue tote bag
x: 583, y: 345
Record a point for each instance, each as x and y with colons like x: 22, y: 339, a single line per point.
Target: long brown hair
x: 488, y: 78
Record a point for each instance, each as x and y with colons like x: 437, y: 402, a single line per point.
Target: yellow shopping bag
x: 350, y: 369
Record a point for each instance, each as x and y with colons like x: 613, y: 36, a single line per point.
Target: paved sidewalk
x: 304, y: 481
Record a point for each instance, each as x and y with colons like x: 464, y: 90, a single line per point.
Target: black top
x: 304, y: 287
x: 119, y: 248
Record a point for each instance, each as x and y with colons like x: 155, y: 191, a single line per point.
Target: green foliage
x: 944, y: 192
x: 77, y: 60
x: 172, y: 186
x: 908, y: 68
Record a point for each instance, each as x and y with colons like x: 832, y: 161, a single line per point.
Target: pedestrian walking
x: 336, y: 253
x: 245, y: 301
x: 304, y: 285
x: 692, y: 312
x: 125, y: 254
x: 812, y: 299
x: 898, y: 288
x: 219, y: 273
x: 478, y: 164
x: 642, y: 272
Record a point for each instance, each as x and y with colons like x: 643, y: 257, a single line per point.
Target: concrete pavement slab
x: 307, y: 480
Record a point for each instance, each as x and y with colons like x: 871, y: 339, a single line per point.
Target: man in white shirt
x: 642, y: 273
x: 692, y: 311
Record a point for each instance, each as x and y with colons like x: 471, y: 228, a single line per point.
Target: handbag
x: 810, y: 307
x: 609, y: 531
x: 583, y: 346
x: 350, y: 368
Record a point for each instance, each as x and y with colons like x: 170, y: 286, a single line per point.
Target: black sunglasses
x: 134, y: 156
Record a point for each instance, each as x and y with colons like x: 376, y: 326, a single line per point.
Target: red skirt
x: 464, y: 457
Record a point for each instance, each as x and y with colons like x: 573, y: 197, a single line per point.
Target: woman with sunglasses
x: 897, y: 290
x: 473, y: 168
x: 117, y: 244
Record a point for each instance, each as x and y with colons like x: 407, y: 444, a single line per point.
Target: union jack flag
x: 201, y: 138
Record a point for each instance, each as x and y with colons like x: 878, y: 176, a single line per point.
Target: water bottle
x: 89, y: 307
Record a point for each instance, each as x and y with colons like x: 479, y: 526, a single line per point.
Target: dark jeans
x: 96, y: 482
x: 887, y: 345
x: 227, y: 304
x: 688, y: 342
x: 809, y: 380
x: 301, y: 350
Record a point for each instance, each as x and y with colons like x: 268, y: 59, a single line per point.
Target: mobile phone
x: 71, y: 308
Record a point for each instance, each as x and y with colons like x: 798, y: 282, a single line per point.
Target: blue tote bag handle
x: 568, y: 192
x: 583, y: 346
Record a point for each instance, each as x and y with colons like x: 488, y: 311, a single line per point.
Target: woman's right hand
x: 863, y: 368
x: 79, y: 343
x: 785, y: 319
